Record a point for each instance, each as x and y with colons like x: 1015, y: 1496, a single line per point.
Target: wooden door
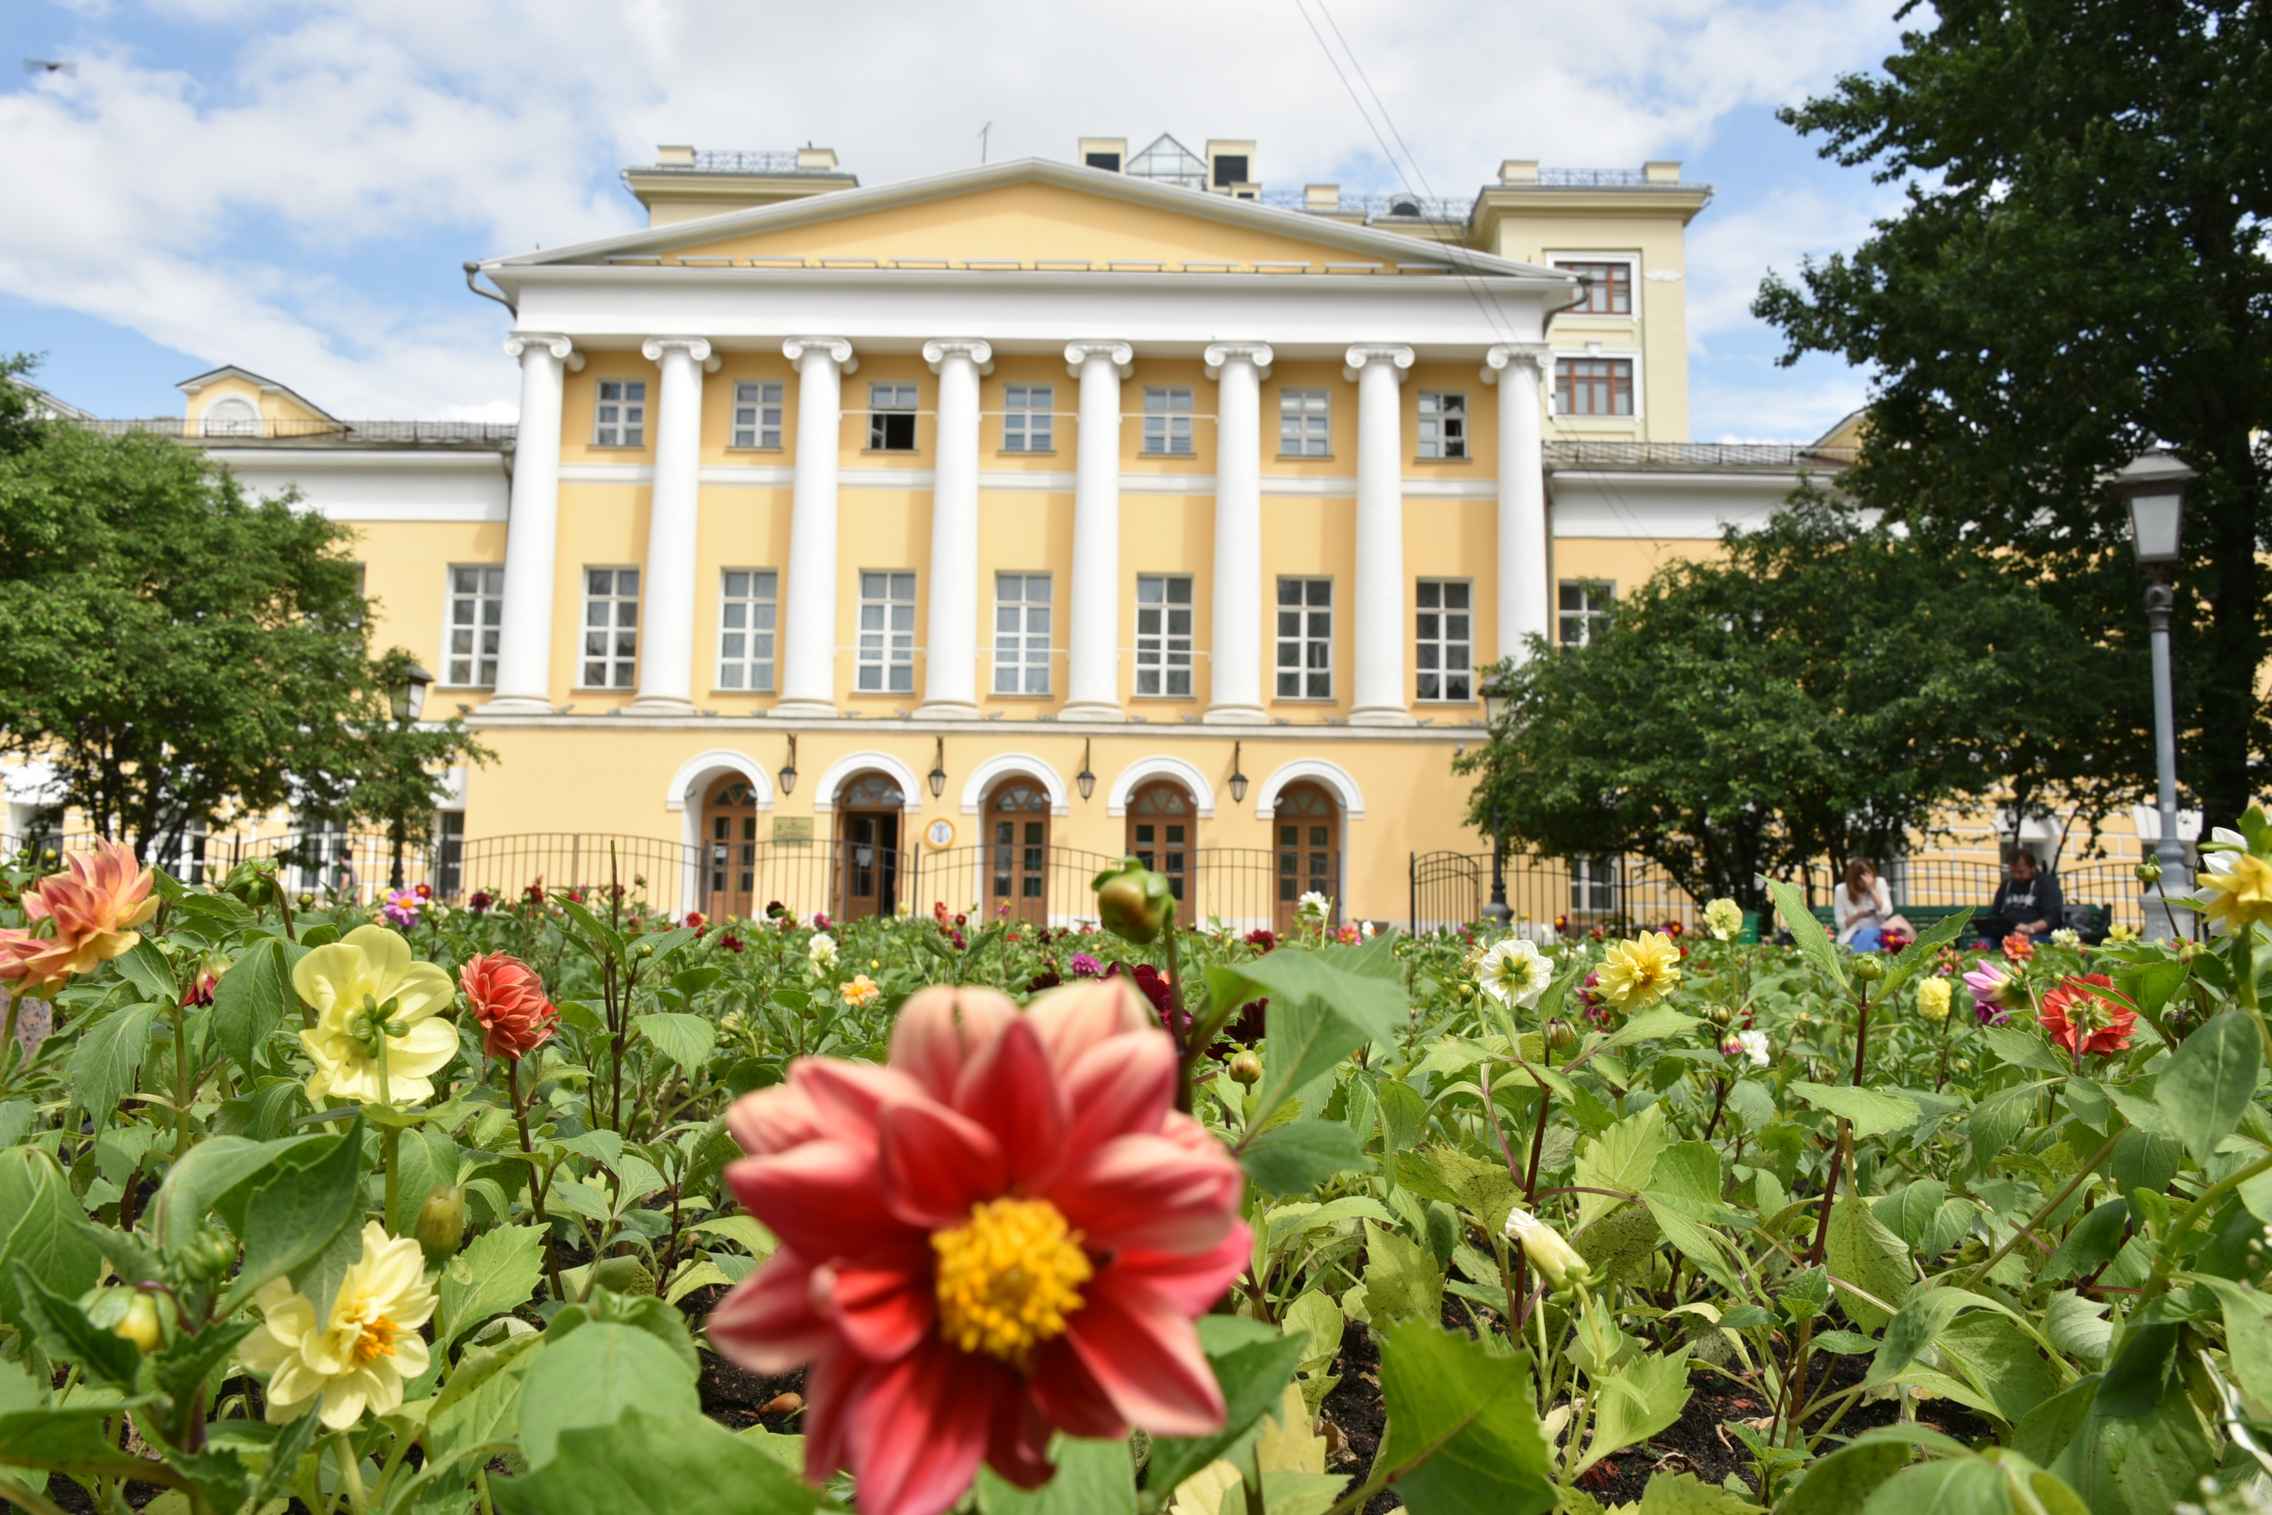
x: 729, y: 849
x: 1163, y: 825
x: 1017, y: 851
x: 1307, y: 832
x: 868, y: 811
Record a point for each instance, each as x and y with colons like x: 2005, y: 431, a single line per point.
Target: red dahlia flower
x: 2084, y: 1016
x: 510, y: 1003
x: 1005, y: 1232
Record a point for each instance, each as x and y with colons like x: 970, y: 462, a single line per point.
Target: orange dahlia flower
x: 2019, y: 946
x: 509, y: 1001
x: 1004, y: 1232
x: 2084, y: 1015
x: 93, y: 907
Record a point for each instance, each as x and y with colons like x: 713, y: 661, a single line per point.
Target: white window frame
x: 448, y: 873
x: 1563, y: 257
x: 1443, y: 641
x: 759, y: 398
x: 619, y: 670
x: 1161, y: 652
x: 886, y: 654
x: 1022, y: 650
x: 884, y: 399
x: 1311, y: 413
x: 230, y: 416
x: 1422, y: 442
x: 756, y: 673
x: 1312, y: 612
x: 1590, y: 876
x: 489, y: 596
x: 1029, y: 425
x: 1590, y: 615
x: 620, y: 421
x: 1161, y: 403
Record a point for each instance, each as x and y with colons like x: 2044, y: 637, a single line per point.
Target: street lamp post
x: 1497, y: 912
x: 2154, y: 485
x: 409, y: 699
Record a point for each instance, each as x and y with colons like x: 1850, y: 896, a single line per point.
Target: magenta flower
x: 1084, y: 966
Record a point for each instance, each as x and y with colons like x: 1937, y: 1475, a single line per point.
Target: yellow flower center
x: 376, y: 1340
x: 1009, y: 1278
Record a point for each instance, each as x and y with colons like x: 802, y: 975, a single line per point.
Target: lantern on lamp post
x: 2153, y: 485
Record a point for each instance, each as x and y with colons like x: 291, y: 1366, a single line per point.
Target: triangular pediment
x: 1031, y: 214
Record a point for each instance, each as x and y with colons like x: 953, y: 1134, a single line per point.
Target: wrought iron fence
x: 1778, y: 457
x: 341, y: 433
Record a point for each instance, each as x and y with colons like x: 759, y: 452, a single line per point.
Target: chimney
x: 816, y: 160
x: 674, y: 155
x: 1107, y: 153
x: 1659, y: 171
x: 1321, y: 197
x: 1230, y: 167
x: 1518, y: 171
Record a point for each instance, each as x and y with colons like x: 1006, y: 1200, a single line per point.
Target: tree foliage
x: 179, y: 653
x: 1825, y: 688
x: 2079, y: 271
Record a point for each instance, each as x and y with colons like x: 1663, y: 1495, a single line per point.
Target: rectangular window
x: 891, y: 418
x: 1445, y: 650
x: 1443, y: 425
x: 1593, y: 885
x: 887, y: 633
x: 1585, y: 607
x: 611, y: 628
x: 757, y: 415
x: 1163, y: 634
x: 1305, y: 422
x: 1025, y: 418
x: 1305, y: 639
x: 745, y: 629
x: 1167, y: 421
x: 1593, y: 386
x: 1609, y: 288
x: 1021, y: 633
x: 477, y: 616
x: 449, y: 853
x: 620, y: 418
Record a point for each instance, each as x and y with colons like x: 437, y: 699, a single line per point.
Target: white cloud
x: 213, y: 213
x: 1729, y: 252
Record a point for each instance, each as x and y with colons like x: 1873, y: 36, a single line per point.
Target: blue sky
x: 293, y: 186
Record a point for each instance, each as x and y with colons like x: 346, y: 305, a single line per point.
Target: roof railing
x: 226, y: 432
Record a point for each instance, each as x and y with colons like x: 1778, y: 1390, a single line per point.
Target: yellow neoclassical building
x: 862, y: 547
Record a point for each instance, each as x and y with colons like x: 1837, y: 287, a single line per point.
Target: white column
x: 1524, y: 554
x: 1092, y: 689
x: 808, y: 682
x: 1235, y: 681
x: 524, y: 646
x: 950, y: 660
x: 666, y: 582
x: 1383, y: 631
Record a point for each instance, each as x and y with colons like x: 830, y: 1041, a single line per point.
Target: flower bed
x: 550, y: 1205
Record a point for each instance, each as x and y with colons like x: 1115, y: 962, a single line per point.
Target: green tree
x: 179, y: 652
x: 2079, y: 271
x: 1825, y: 688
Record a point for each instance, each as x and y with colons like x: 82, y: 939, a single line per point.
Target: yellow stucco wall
x: 272, y: 405
x: 1657, y: 332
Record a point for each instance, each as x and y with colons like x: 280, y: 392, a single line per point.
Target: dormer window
x: 1230, y: 169
x: 1109, y: 162
x: 231, y: 416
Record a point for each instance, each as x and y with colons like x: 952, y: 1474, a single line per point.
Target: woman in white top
x: 1864, y: 910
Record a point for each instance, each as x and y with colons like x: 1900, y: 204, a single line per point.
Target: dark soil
x: 69, y: 1496
x: 1356, y: 1414
x: 734, y: 1397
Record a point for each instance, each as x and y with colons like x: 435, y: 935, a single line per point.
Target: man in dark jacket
x: 2027, y: 903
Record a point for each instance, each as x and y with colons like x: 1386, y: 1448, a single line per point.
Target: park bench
x: 2087, y: 921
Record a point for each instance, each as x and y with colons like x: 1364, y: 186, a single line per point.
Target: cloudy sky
x: 292, y: 186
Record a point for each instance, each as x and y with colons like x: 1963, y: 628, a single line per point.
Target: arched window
x: 231, y: 416
x: 1306, y: 831
x: 1163, y: 825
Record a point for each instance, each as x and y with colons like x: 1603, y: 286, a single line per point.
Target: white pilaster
x: 666, y: 582
x: 1383, y: 631
x: 808, y: 684
x: 1093, y: 607
x: 1235, y: 682
x: 524, y: 646
x: 950, y: 660
x: 1524, y: 602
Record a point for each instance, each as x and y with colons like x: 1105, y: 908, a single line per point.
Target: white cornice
x: 323, y: 459
x: 1171, y: 731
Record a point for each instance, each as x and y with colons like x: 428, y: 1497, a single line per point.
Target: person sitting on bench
x: 1863, y: 909
x: 2027, y: 904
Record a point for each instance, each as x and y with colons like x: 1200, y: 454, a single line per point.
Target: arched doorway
x: 868, y: 812
x: 1306, y: 830
x: 1017, y: 850
x: 1163, y: 824
x: 729, y: 848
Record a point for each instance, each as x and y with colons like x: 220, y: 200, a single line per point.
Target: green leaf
x: 1807, y: 932
x: 251, y: 1000
x: 1837, y: 1484
x: 80, y: 1438
x: 496, y: 1272
x: 215, y: 1173
x: 64, y: 1330
x: 1093, y: 1478
x: 1914, y: 958
x: 1917, y: 1325
x: 1463, y: 1430
x: 2248, y: 1336
x: 2209, y: 1081
x: 1864, y: 1253
x: 1297, y: 1157
x: 1401, y: 1278
x: 1636, y: 1402
x: 599, y: 1376
x: 109, y: 1055
x: 2078, y: 1326
x: 1872, y: 1112
x: 480, y: 1403
x: 1252, y: 1365
x: 1480, y: 1188
x: 1653, y: 1024
x: 1622, y: 1157
x: 1320, y: 1012
x: 649, y: 1463
x: 143, y: 966
x: 686, y: 1040
x: 315, y: 1193
x: 425, y: 1160
x: 1686, y: 1494
x: 43, y: 1233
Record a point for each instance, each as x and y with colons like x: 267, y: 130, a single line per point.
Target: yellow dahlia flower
x: 1933, y: 999
x: 1638, y: 973
x: 362, y: 1355
x: 2236, y: 890
x: 1723, y: 918
x: 376, y: 1017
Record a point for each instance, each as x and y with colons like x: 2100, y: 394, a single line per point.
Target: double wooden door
x: 729, y: 849
x: 1306, y: 838
x: 1017, y: 851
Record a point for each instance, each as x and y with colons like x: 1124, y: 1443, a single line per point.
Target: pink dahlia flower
x: 1006, y: 1231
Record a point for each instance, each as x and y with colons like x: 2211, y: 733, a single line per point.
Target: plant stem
x: 38, y: 1504
x: 181, y: 1082
x: 1193, y: 1046
x: 2193, y: 1212
x: 536, y: 1189
x: 2055, y: 1201
x: 350, y: 1472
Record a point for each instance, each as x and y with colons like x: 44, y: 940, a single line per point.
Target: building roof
x: 196, y: 382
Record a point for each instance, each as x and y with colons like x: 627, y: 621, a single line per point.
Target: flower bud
x: 1561, y: 1035
x: 441, y: 1223
x: 1556, y: 1260
x: 141, y: 1324
x: 1719, y: 1015
x: 209, y: 1253
x: 2149, y: 873
x: 1134, y: 903
x: 1869, y: 968
x: 307, y: 899
x: 1246, y: 1069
